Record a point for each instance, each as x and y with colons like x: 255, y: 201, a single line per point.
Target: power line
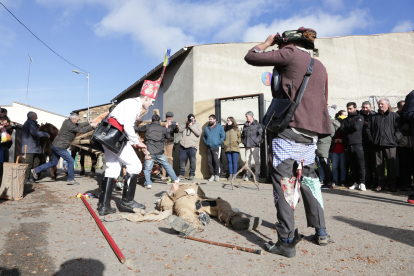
x: 40, y: 39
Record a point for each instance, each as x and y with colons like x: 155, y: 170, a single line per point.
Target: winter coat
x: 365, y: 139
x: 213, y: 137
x: 291, y: 64
x: 232, y: 141
x: 351, y: 127
x: 31, y: 137
x: 382, y: 129
x: 190, y: 135
x: 67, y: 133
x: 323, y: 145
x: 252, y: 134
x: 155, y: 134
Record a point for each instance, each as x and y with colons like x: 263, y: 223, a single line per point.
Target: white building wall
x: 18, y: 113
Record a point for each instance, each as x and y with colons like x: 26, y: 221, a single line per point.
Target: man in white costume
x: 123, y: 117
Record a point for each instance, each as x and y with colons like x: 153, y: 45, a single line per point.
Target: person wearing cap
x: 169, y: 142
x: 155, y: 135
x: 296, y: 144
x: 63, y: 140
x: 124, y: 117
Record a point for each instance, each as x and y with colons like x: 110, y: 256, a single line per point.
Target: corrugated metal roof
x: 177, y: 54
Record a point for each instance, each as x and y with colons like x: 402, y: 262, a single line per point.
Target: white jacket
x: 127, y: 113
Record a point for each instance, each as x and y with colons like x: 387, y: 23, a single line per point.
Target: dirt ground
x: 50, y: 232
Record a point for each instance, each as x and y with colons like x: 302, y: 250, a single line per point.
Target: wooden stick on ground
x: 245, y: 167
x: 256, y: 251
x: 105, y: 232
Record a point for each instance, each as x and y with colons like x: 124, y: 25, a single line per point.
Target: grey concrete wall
x: 363, y: 66
x: 220, y: 71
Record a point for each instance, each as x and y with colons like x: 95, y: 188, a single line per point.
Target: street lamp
x: 87, y: 77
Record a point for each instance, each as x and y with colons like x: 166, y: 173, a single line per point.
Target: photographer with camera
x: 190, y: 137
x: 169, y: 143
x: 293, y: 66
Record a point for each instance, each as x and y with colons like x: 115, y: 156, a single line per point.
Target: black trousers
x: 326, y: 170
x: 285, y: 214
x: 370, y: 172
x: 33, y: 159
x: 389, y: 154
x: 406, y: 158
x: 355, y: 159
x: 213, y: 158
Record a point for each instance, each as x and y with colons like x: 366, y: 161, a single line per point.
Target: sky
x: 119, y: 41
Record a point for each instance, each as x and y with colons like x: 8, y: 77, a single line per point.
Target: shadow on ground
x: 394, y: 234
x: 363, y: 195
x: 81, y: 267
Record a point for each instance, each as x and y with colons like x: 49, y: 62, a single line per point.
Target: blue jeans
x: 56, y: 154
x: 339, y: 159
x: 149, y: 164
x: 232, y: 158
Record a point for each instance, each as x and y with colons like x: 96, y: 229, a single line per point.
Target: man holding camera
x: 169, y: 142
x: 295, y: 145
x: 155, y: 135
x: 190, y: 137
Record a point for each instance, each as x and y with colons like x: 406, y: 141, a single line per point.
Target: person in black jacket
x: 351, y: 127
x: 407, y: 114
x: 31, y: 139
x: 155, y: 134
x: 369, y: 156
x: 383, y: 133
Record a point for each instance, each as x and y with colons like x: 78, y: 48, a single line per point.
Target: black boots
x: 104, y: 205
x: 285, y: 249
x: 128, y: 193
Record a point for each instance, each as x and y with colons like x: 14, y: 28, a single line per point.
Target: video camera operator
x: 190, y: 136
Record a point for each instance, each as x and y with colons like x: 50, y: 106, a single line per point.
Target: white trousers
x: 127, y: 156
x: 255, y: 152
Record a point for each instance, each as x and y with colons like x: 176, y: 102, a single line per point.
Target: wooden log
x: 90, y: 149
x: 12, y: 186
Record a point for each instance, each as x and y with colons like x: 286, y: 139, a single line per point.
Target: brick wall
x: 93, y: 112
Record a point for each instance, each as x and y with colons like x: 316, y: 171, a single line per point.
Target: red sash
x: 115, y: 123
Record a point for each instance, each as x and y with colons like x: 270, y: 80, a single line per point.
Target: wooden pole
x: 105, y: 232
x: 256, y: 251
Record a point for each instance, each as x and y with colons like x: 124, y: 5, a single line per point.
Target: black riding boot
x: 285, y: 249
x: 128, y: 193
x: 104, y: 205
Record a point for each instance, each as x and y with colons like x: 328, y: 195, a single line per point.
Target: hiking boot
x: 324, y: 240
x: 354, y: 186
x: 119, y: 185
x: 211, y: 178
x: 128, y: 193
x: 284, y: 249
x: 34, y: 173
x: 104, y: 205
x: 362, y: 187
x: 72, y: 182
x: 181, y: 226
x: 204, y: 218
x: 216, y: 178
